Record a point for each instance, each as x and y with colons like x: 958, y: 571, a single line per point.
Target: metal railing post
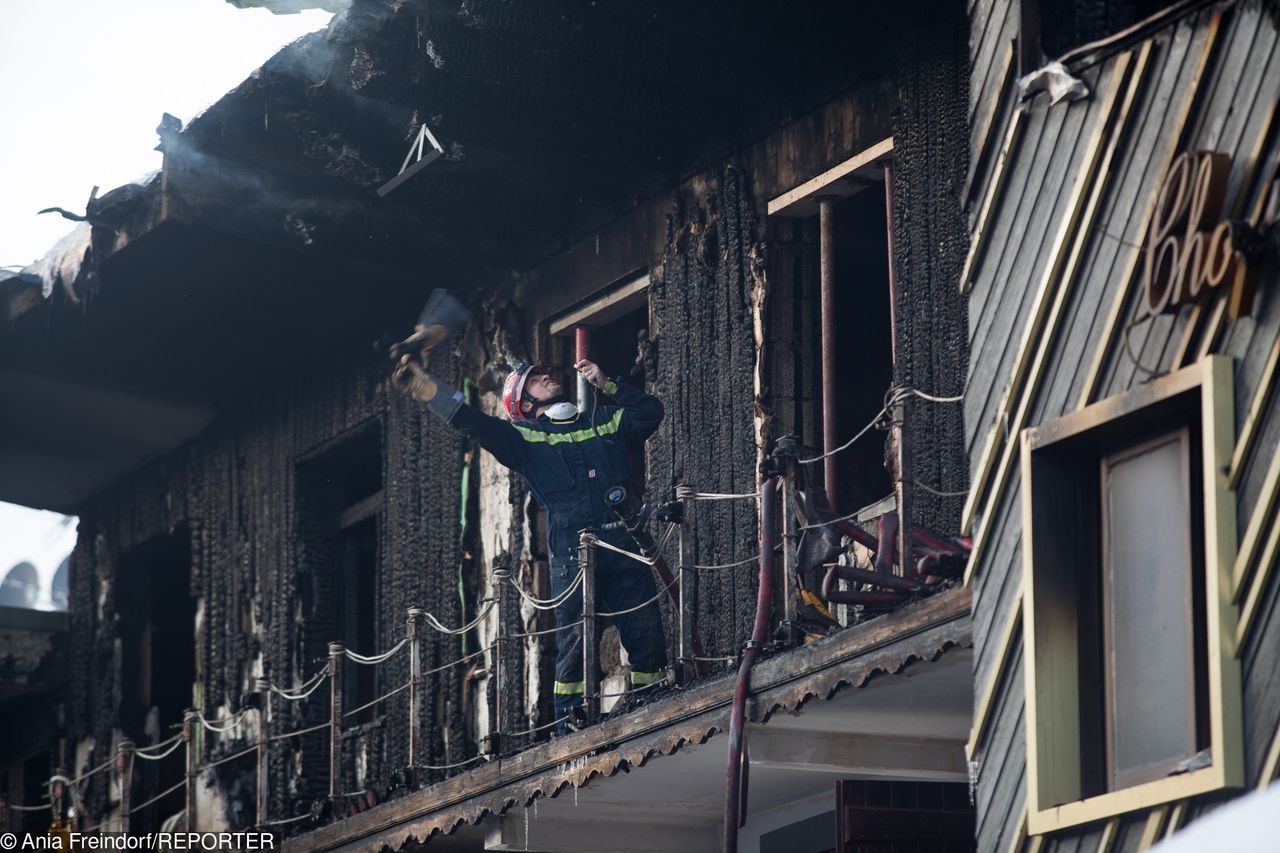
x: 56, y: 793
x: 590, y: 673
x: 790, y: 584
x: 264, y: 743
x: 903, y: 488
x: 336, y: 653
x: 686, y: 592
x: 415, y: 686
x: 189, y: 725
x: 494, y: 745
x: 124, y: 777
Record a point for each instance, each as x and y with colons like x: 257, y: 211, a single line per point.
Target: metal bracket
x: 419, y: 162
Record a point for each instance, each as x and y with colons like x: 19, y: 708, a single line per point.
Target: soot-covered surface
x: 930, y: 241
x: 252, y: 542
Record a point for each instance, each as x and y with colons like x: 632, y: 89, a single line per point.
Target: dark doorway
x: 864, y: 350
x: 340, y: 498
x: 158, y: 657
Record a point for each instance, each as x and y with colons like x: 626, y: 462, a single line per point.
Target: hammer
x: 441, y: 316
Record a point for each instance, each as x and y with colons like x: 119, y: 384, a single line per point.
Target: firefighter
x: 570, y: 458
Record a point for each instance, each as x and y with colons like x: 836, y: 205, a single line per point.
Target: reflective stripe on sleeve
x: 537, y: 436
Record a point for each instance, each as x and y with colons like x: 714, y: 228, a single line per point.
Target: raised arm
x: 641, y: 412
x: 493, y: 434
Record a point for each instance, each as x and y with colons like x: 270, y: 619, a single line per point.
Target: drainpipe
x: 733, y: 811
x: 826, y: 247
x: 581, y: 350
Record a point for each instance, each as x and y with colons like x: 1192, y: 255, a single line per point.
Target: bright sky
x: 83, y: 84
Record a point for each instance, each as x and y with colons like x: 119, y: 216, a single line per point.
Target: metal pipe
x: 685, y: 609
x: 733, y: 809
x: 857, y: 575
x: 124, y: 769
x: 499, y: 667
x: 590, y: 674
x: 193, y: 768
x: 336, y: 653
x: 790, y: 581
x: 415, y: 686
x: 826, y: 248
x: 849, y: 596
x: 581, y: 350
x: 902, y: 487
x: 264, y: 747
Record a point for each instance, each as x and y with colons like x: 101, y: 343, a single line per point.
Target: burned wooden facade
x: 1078, y: 359
x: 242, y: 469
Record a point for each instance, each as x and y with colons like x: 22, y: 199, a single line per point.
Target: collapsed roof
x: 263, y: 249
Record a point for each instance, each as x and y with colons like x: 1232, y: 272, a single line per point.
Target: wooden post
x: 124, y: 777
x: 688, y: 666
x: 336, y: 653
x: 415, y: 686
x: 189, y: 726
x: 590, y: 674
x: 264, y: 746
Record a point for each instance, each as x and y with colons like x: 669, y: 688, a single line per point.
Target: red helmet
x: 513, y: 390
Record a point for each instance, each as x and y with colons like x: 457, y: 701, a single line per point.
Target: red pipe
x: 848, y: 596
x: 733, y: 807
x: 857, y: 575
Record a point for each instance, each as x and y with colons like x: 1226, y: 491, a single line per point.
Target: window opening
x: 853, y: 249
x: 616, y: 324
x: 341, y: 494
x: 863, y: 357
x: 158, y: 651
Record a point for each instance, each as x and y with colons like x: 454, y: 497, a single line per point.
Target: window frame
x: 1056, y: 777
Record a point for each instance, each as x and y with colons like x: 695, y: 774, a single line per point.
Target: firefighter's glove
x: 413, y: 381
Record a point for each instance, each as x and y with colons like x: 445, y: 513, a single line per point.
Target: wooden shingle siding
x: 1212, y: 83
x: 1001, y: 790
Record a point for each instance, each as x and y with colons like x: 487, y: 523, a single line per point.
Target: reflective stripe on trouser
x: 644, y: 679
x: 568, y: 688
x: 621, y: 583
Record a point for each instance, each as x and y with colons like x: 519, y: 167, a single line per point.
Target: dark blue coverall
x: 569, y: 466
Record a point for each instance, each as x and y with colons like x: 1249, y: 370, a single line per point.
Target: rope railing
x: 373, y: 660
x: 222, y: 726
x: 158, y: 797
x: 583, y: 584
x: 541, y: 603
x: 147, y: 756
x: 384, y: 697
x: 303, y: 692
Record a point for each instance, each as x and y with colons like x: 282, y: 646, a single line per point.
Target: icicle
x: 974, y: 767
x: 535, y: 809
x: 526, y: 828
x: 575, y: 795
